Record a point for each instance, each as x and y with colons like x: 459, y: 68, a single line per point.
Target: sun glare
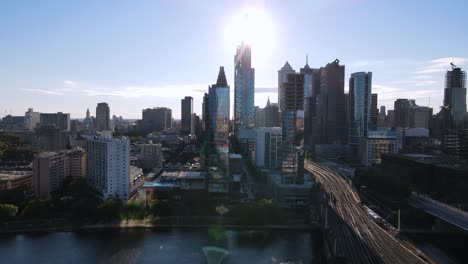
x: 253, y: 26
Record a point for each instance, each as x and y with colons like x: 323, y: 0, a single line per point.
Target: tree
x: 8, y: 211
x: 133, y: 210
x: 38, y: 208
x: 109, y: 210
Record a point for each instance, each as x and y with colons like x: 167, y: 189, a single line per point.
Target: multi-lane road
x: 365, y: 241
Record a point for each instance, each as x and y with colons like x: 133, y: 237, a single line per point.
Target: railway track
x: 366, y: 241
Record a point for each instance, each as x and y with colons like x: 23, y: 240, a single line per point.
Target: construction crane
x: 453, y: 65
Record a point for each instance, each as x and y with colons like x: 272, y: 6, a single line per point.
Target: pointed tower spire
x: 222, y: 81
x: 268, y: 101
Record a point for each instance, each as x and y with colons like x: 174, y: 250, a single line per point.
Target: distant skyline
x: 69, y: 56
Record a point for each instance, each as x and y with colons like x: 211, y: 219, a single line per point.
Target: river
x: 178, y: 246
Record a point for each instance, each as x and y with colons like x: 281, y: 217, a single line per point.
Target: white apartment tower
x: 109, y: 166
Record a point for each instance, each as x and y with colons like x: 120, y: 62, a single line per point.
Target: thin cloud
x: 49, y: 92
x: 132, y: 92
x: 442, y: 64
x: 266, y: 90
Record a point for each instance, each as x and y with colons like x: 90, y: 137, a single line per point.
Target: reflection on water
x: 160, y: 246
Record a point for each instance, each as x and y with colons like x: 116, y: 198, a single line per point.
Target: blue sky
x: 69, y: 55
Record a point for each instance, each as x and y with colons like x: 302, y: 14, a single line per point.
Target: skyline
x: 69, y: 57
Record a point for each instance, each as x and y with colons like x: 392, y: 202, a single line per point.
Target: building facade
x: 102, y: 117
x: 60, y: 120
x: 187, y: 125
x: 282, y: 77
x: 150, y: 156
x: 109, y: 166
x: 455, y: 96
x: 244, y: 91
x: 268, y: 147
x: 292, y: 150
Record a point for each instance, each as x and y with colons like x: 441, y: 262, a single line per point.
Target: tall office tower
x: 282, y: 77
x: 32, y: 119
x: 390, y: 118
x: 402, y: 113
x: 292, y: 151
x: 244, y: 91
x: 109, y: 166
x: 455, y: 96
x: 186, y: 122
x: 219, y: 113
x: 360, y: 97
x: 383, y: 112
x: 374, y: 113
x: 60, y: 120
x: 330, y: 106
x: 268, y: 147
x: 150, y: 156
x: 272, y: 115
x: 420, y: 116
x: 102, y: 117
x: 259, y: 116
x: 88, y: 121
x: 156, y: 119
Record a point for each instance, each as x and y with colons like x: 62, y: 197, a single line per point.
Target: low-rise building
x: 10, y: 180
x: 376, y: 143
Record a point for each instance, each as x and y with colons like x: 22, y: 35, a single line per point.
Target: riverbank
x: 35, y: 227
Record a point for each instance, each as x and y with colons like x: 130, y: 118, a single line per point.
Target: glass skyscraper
x: 244, y: 91
x: 360, y: 96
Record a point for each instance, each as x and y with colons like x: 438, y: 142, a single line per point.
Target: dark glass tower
x: 455, y: 96
x: 186, y: 123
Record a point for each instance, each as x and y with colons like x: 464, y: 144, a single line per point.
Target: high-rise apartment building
x: 186, y: 123
x: 60, y: 120
x: 51, y: 168
x: 102, y: 117
x: 292, y: 150
x: 52, y: 138
x: 244, y: 91
x: 109, y: 166
x: 150, y: 156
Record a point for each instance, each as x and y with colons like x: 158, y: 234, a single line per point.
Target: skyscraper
x: 244, y: 91
x: 455, y: 96
x: 186, y: 123
x: 374, y: 113
x: 282, y: 77
x: 292, y: 151
x: 219, y: 113
x: 401, y: 114
x: 102, y: 117
x: 360, y: 93
x: 330, y: 105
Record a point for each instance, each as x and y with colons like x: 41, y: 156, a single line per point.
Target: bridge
x: 440, y: 210
x: 360, y: 238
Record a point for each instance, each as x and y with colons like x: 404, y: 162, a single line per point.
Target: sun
x: 255, y: 27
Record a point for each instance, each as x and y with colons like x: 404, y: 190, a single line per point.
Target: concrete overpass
x: 440, y: 210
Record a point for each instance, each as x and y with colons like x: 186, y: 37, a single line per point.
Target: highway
x: 440, y: 210
x: 365, y: 240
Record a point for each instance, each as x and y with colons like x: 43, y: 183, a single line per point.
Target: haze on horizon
x: 68, y: 56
